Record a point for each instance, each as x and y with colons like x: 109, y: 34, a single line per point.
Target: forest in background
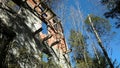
x: 86, y: 46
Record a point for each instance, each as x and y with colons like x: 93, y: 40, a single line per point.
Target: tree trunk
x: 85, y: 58
x: 100, y: 44
x: 95, y: 51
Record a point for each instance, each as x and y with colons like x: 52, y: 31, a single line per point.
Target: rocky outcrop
x: 18, y: 48
x: 20, y: 42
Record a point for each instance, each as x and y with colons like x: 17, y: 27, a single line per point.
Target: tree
x: 102, y: 59
x: 100, y: 42
x: 113, y: 9
x: 78, y: 25
x: 101, y: 25
x: 77, y: 42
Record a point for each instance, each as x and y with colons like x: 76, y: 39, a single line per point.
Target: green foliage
x: 100, y: 24
x: 77, y: 42
x: 113, y: 7
x: 81, y: 56
x: 82, y: 64
x: 13, y: 66
x: 13, y: 6
x: 104, y: 63
x: 11, y: 3
x: 102, y: 59
x: 76, y: 38
x: 96, y: 19
x: 47, y: 64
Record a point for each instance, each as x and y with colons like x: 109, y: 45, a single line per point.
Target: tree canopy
x: 102, y: 25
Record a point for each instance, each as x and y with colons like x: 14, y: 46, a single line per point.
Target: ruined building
x: 21, y: 37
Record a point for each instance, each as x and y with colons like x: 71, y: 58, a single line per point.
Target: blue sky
x: 90, y: 7
x: 94, y: 7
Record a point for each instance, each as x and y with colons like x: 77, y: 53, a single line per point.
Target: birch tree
x: 99, y: 40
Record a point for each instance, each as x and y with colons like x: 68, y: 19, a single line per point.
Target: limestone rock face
x: 18, y: 48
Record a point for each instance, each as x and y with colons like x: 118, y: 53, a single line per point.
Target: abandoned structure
x: 34, y: 13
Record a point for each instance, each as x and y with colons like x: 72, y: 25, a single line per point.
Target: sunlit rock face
x: 19, y: 47
x: 21, y: 50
